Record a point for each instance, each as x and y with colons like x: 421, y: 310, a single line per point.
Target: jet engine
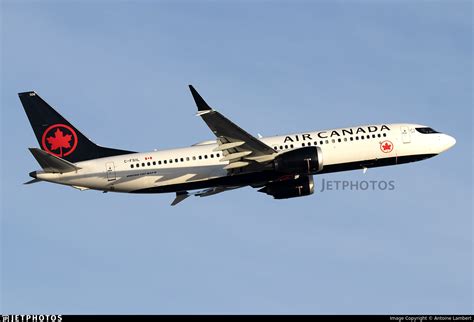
x: 297, y: 187
x: 308, y: 160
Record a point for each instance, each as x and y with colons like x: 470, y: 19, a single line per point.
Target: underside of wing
x: 182, y: 195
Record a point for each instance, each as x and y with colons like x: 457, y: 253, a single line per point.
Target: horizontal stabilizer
x: 52, y: 163
x: 32, y: 181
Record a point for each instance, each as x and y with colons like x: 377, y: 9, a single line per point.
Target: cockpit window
x: 425, y: 130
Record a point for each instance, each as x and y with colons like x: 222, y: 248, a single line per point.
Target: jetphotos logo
x: 59, y: 140
x: 32, y: 318
x: 357, y: 185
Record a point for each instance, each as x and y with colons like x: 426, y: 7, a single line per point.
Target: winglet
x: 200, y: 102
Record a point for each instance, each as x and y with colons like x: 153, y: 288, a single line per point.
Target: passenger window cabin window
x: 333, y: 141
x: 378, y: 135
x: 281, y: 147
x: 165, y: 162
x: 159, y: 162
x: 373, y: 136
x: 171, y: 161
x: 187, y: 158
x: 339, y: 140
x: 217, y: 155
x: 286, y: 146
x: 182, y: 160
x: 194, y: 158
x: 327, y: 141
x: 148, y: 163
x: 357, y: 138
x: 143, y: 164
x: 368, y: 136
x: 345, y: 139
x: 212, y: 155
x: 154, y: 162
x: 302, y: 144
x: 137, y: 165
x: 315, y: 142
x: 205, y: 156
x: 200, y: 157
x: 176, y: 160
x: 385, y: 134
x: 321, y: 142
x: 351, y: 138
x: 131, y: 166
x: 362, y: 137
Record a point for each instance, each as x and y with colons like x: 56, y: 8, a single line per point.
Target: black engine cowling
x: 301, y: 186
x: 308, y: 160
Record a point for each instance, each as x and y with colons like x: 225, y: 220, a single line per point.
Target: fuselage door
x: 405, y: 134
x: 110, y: 169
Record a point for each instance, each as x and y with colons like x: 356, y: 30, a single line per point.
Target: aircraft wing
x: 238, y: 147
x: 180, y: 196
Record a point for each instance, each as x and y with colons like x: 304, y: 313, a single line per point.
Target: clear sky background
x: 119, y: 71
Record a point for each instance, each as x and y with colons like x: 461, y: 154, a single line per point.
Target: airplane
x: 280, y: 166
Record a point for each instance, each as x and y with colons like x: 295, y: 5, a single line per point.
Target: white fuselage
x: 357, y: 147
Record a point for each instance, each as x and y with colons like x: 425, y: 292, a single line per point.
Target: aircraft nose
x: 448, y: 142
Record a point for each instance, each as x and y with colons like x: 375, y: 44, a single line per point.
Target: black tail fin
x: 59, y: 137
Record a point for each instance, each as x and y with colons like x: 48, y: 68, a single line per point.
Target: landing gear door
x: 110, y: 170
x: 406, y: 138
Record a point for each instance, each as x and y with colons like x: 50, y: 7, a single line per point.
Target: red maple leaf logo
x: 59, y: 141
x: 387, y: 146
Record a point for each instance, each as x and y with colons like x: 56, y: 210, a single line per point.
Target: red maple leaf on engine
x: 386, y: 146
x: 59, y: 141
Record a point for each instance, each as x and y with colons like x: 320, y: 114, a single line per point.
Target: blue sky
x: 119, y: 72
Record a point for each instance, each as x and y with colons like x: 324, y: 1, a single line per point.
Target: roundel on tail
x: 59, y: 140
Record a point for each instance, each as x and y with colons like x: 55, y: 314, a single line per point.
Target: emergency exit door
x: 405, y: 134
x: 110, y: 170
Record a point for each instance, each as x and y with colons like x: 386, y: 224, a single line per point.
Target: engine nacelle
x: 308, y: 160
x: 301, y: 186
